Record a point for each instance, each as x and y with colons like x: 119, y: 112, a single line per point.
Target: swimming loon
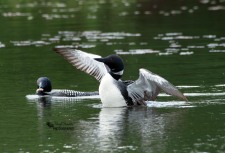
x: 45, y: 88
x: 109, y: 70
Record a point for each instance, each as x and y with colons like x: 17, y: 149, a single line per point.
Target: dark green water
x: 179, y: 40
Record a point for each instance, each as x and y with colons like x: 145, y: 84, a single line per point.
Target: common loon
x: 45, y: 88
x: 109, y: 70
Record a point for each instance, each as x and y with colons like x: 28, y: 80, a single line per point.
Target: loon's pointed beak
x: 100, y: 60
x: 39, y: 90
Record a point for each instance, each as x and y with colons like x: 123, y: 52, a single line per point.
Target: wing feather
x: 148, y: 86
x: 84, y: 61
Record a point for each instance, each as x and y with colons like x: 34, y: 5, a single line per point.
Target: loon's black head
x: 114, y: 62
x: 44, y: 85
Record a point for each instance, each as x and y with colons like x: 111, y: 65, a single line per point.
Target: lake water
x: 181, y: 41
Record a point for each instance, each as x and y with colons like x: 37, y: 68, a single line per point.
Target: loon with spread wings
x: 112, y: 90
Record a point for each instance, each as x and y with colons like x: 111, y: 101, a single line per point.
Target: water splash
x: 187, y: 86
x: 177, y: 104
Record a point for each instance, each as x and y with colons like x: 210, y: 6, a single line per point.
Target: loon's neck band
x: 118, y: 73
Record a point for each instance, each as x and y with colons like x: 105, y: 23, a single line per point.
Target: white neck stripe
x: 118, y: 73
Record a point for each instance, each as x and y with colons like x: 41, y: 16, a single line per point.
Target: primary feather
x: 84, y: 62
x: 148, y: 86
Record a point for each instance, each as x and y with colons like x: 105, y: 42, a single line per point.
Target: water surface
x: 181, y: 41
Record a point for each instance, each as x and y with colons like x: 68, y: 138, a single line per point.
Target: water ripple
x: 2, y: 45
x: 81, y: 39
x: 60, y: 10
x: 136, y: 51
x: 176, y: 43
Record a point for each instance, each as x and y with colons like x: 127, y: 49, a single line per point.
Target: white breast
x: 109, y: 93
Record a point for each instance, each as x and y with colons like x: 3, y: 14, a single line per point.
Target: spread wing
x: 148, y: 86
x: 84, y: 61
